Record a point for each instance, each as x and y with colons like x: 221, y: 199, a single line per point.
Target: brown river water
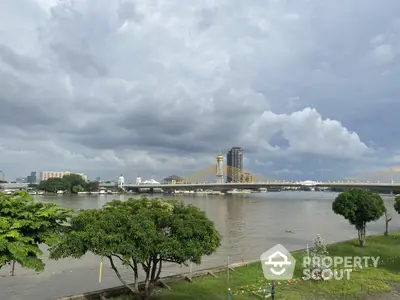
x: 250, y: 224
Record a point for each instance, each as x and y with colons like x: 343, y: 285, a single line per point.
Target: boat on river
x: 237, y: 191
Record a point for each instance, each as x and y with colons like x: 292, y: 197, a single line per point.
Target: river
x: 250, y: 224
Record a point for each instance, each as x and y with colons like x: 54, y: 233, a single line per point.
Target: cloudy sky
x: 309, y: 88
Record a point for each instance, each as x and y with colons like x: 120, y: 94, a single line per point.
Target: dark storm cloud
x: 8, y: 56
x: 128, y: 11
x: 206, y: 18
x: 19, y: 110
x: 22, y: 115
x: 125, y: 85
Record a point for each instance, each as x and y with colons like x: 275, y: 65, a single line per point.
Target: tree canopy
x: 72, y: 183
x: 24, y: 224
x: 359, y: 207
x: 397, y: 204
x: 142, y: 234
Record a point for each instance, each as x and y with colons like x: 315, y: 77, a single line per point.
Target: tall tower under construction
x: 220, y: 168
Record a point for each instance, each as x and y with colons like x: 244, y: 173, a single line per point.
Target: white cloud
x: 306, y: 132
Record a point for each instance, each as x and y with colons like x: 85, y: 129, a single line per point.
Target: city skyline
x: 246, y: 175
x: 309, y: 89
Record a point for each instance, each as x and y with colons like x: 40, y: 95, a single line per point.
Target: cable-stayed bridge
x: 387, y: 175
x: 208, y: 179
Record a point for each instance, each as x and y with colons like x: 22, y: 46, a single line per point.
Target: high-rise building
x: 31, y: 178
x: 234, y: 164
x: 47, y: 175
x: 2, y: 176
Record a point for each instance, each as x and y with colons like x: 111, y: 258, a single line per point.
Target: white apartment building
x: 47, y: 175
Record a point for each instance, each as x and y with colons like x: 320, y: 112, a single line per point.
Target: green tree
x: 77, y: 188
x: 52, y: 185
x: 24, y: 224
x: 74, y: 180
x: 142, y: 234
x: 71, y: 183
x: 92, y: 186
x: 397, y: 204
x: 359, y: 207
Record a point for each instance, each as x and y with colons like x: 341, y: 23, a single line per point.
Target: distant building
x: 32, y: 178
x: 234, y: 164
x: 173, y: 179
x: 2, y: 176
x: 47, y: 175
x: 98, y: 179
x: 150, y: 181
x: 20, y: 180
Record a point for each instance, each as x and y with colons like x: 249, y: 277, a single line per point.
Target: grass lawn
x: 363, y: 283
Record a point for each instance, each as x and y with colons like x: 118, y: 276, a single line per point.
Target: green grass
x: 246, y: 279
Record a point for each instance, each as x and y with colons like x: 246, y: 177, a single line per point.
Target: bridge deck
x: 232, y: 185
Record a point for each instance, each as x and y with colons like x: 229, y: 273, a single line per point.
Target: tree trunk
x: 135, y: 275
x: 119, y: 275
x: 13, y: 268
x: 153, y: 270
x: 361, y: 235
x: 387, y: 220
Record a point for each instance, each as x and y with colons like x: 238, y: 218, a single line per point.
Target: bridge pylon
x: 220, y: 168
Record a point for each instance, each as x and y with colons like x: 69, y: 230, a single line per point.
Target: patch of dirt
x: 393, y: 295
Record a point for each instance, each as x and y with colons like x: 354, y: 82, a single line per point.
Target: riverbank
x: 246, y: 282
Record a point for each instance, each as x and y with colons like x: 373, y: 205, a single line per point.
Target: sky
x: 309, y: 89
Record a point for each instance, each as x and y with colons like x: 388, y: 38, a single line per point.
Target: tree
x: 74, y: 180
x: 77, y: 188
x: 24, y: 224
x: 359, y: 207
x: 72, y: 183
x: 52, y: 185
x: 92, y: 186
x: 397, y: 204
x: 142, y: 234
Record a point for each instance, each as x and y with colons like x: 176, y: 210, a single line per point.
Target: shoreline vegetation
x: 247, y: 281
x: 72, y: 184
